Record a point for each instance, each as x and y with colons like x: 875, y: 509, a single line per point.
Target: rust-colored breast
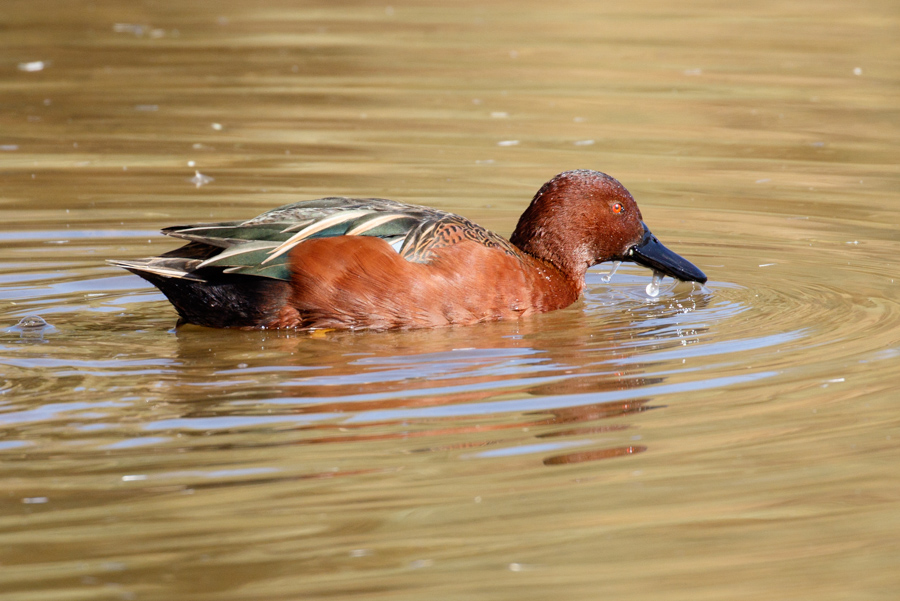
x: 361, y: 282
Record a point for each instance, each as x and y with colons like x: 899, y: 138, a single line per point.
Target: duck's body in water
x: 373, y: 263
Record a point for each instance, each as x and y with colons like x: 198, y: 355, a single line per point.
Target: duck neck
x: 541, y: 244
x: 548, y: 233
x: 556, y: 271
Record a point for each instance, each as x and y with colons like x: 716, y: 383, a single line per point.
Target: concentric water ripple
x: 617, y: 348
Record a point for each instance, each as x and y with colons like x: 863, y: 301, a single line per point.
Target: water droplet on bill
x: 608, y: 277
x: 653, y: 287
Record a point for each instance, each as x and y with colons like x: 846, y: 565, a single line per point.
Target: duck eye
x: 618, y: 208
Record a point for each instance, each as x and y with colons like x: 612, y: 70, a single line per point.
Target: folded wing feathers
x: 212, y: 234
x: 241, y: 255
x: 253, y: 247
x: 227, y: 235
x: 353, y: 220
x: 297, y: 226
x: 170, y: 268
x: 363, y: 226
x: 276, y: 271
x: 257, y: 247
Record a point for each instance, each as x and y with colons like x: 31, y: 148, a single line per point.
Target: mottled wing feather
x: 452, y: 229
x: 321, y: 208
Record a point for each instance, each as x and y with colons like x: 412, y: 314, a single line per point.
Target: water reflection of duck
x: 378, y: 264
x: 431, y: 390
x: 349, y: 373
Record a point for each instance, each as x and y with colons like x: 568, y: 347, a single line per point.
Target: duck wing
x: 260, y: 246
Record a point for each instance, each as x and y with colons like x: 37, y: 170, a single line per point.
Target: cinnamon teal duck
x: 371, y: 263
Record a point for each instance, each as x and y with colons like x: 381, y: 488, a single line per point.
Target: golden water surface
x: 735, y: 441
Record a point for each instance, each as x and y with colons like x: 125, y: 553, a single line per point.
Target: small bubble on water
x: 33, y: 66
x: 200, y: 180
x: 32, y: 322
x: 132, y: 28
x: 421, y: 563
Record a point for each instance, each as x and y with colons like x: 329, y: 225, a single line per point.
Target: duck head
x: 581, y: 218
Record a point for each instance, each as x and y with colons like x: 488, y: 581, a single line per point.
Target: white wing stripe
x: 316, y: 227
x: 240, y: 249
x: 373, y: 223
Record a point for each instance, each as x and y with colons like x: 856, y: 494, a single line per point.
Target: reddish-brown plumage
x: 572, y: 222
x: 373, y: 263
x: 360, y: 282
